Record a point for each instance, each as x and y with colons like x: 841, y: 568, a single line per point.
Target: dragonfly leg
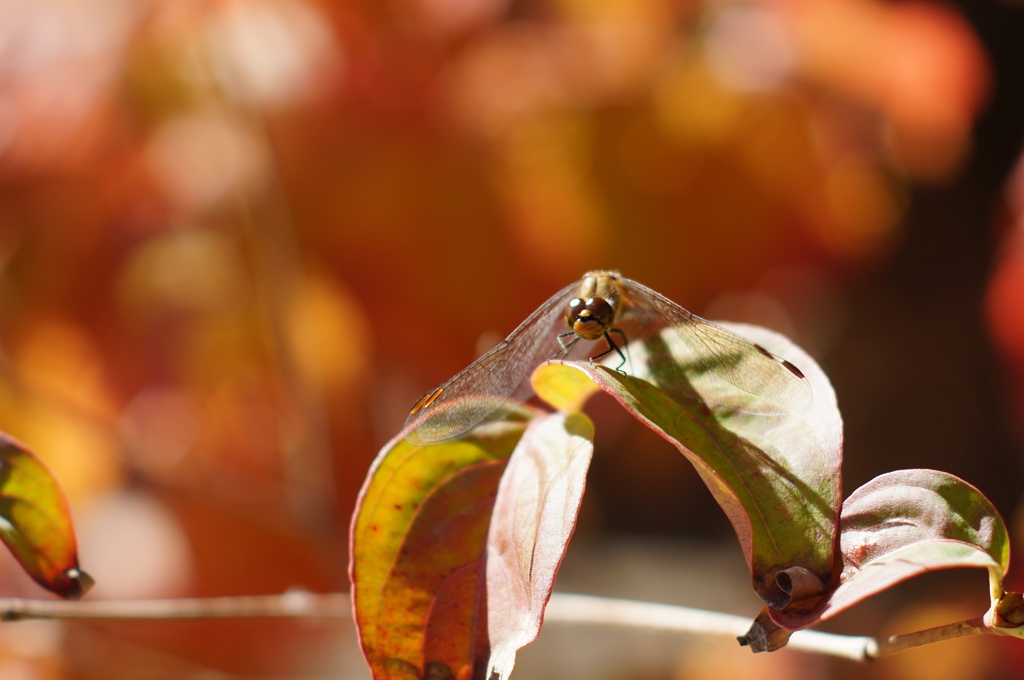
x: 612, y: 347
x: 566, y: 346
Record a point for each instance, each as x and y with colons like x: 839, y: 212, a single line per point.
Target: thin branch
x: 293, y: 604
x: 951, y: 631
x: 563, y: 608
x: 602, y: 611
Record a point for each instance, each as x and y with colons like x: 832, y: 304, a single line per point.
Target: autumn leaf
x: 418, y: 537
x: 36, y: 525
x: 534, y: 517
x: 909, y: 522
x: 776, y: 476
x: 439, y: 585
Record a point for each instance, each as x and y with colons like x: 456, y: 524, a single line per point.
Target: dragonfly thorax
x: 589, y: 318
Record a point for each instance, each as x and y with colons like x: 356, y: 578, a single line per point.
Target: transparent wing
x: 495, y: 382
x: 729, y: 371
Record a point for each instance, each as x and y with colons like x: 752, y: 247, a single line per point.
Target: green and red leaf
x: 908, y: 522
x: 417, y: 552
x: 777, y: 477
x: 452, y: 563
x: 36, y: 522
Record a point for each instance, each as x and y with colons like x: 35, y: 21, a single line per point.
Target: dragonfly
x: 734, y: 372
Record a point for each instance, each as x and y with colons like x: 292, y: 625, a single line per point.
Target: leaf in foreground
x: 776, y: 476
x: 534, y: 517
x: 36, y: 522
x: 908, y: 522
x: 420, y: 542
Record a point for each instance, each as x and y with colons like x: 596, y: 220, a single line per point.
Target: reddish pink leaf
x: 534, y: 517
x: 776, y: 476
x: 907, y: 522
x: 420, y: 542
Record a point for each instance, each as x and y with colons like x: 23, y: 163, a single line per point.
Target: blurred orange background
x: 239, y: 238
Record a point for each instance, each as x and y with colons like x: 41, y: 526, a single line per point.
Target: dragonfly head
x: 589, y: 318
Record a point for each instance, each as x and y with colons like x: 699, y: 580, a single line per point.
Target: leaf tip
x: 72, y: 584
x: 765, y: 635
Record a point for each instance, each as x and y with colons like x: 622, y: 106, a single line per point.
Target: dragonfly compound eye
x: 593, y: 318
x: 572, y: 310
